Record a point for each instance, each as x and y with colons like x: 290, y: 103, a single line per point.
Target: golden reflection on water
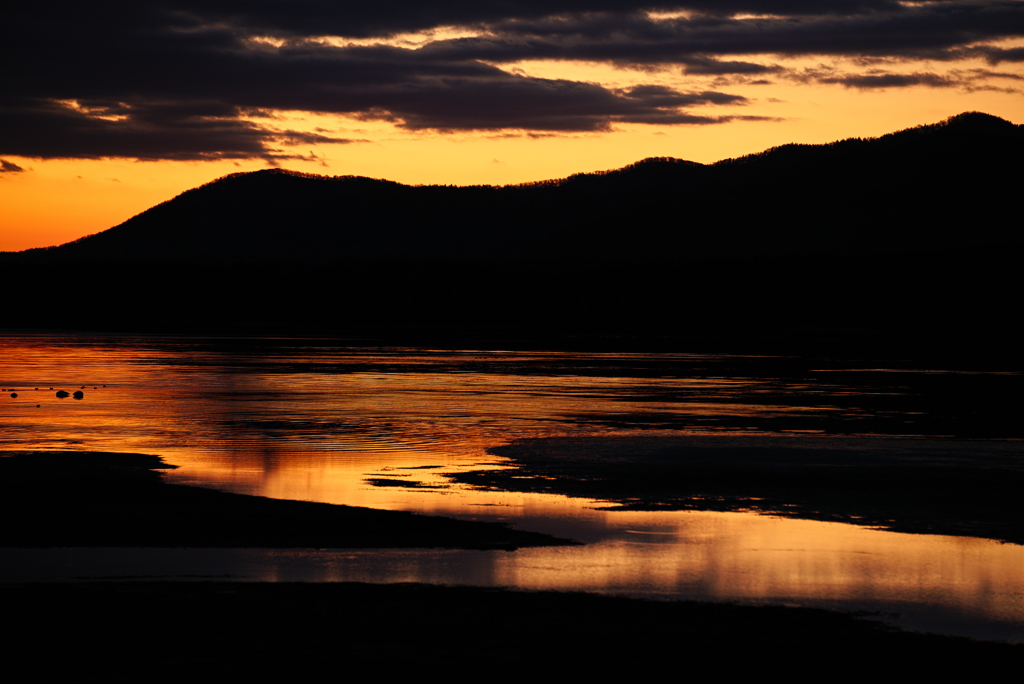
x: 747, y: 557
x: 318, y: 424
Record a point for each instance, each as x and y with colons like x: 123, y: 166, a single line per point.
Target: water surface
x: 327, y: 421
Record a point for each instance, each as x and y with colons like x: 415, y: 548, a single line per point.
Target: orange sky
x: 47, y: 200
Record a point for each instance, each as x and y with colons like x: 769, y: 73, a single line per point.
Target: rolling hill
x: 899, y: 230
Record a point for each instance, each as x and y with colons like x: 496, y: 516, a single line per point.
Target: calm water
x: 316, y: 420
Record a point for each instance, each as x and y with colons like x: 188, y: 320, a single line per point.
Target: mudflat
x: 72, y: 499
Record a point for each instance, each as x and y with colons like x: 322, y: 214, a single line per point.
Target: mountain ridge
x: 917, y: 231
x: 954, y: 140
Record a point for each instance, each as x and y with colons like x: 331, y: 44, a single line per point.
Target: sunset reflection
x: 746, y: 557
x: 386, y: 428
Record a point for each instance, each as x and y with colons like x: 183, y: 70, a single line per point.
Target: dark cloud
x: 192, y: 79
x: 929, y: 30
x: 301, y: 18
x: 683, y: 118
x: 870, y: 81
x: 514, y: 102
x: 705, y: 65
x: 661, y: 97
x: 989, y: 74
x: 9, y: 167
x: 995, y: 55
x: 143, y: 131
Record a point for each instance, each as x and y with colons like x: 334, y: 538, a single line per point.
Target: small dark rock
x: 61, y: 394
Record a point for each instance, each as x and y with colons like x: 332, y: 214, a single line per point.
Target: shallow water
x: 319, y: 420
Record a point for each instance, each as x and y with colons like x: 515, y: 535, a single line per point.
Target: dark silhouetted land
x: 913, y: 232
x: 229, y: 631
x: 208, y: 631
x: 923, y: 486
x: 69, y: 499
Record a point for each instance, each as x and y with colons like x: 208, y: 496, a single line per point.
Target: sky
x: 110, y: 107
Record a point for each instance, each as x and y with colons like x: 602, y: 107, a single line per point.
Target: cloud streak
x: 183, y: 79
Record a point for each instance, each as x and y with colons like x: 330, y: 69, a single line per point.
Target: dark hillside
x: 914, y: 230
x: 932, y: 188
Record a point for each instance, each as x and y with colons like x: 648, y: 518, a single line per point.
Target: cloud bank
x: 191, y: 80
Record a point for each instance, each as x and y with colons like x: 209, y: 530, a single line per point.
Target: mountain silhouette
x: 927, y: 188
x: 911, y: 225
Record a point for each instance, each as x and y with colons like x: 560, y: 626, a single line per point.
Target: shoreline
x: 552, y: 630
x: 949, y: 487
x: 97, y: 499
x: 404, y: 624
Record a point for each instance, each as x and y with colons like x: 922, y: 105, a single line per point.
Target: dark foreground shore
x: 70, y: 499
x: 929, y: 486
x: 212, y: 631
x: 229, y: 631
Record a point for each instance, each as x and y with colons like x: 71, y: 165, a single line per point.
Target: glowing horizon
x: 470, y: 96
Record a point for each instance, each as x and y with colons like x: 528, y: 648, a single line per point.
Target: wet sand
x: 929, y: 486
